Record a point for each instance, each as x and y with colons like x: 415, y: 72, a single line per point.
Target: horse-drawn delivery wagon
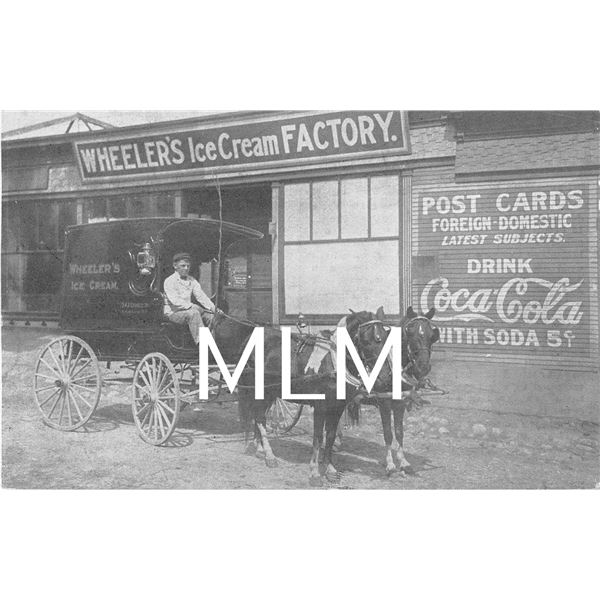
x: 112, y: 311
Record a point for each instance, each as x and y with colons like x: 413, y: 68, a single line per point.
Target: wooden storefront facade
x: 490, y: 217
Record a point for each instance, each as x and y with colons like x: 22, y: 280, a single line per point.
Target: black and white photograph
x: 377, y: 299
x: 299, y: 301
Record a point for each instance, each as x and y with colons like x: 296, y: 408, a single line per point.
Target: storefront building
x: 491, y: 218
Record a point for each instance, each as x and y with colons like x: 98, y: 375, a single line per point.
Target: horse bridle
x: 357, y: 344
x: 412, y: 357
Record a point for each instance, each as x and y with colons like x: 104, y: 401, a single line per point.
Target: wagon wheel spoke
x: 155, y: 423
x: 76, y: 360
x: 53, y: 377
x: 84, y: 400
x: 161, y: 385
x: 58, y: 367
x: 146, y: 406
x: 147, y: 417
x: 75, y: 405
x: 46, y: 387
x: 73, y: 366
x: 83, y: 387
x: 53, y: 408
x: 145, y: 380
x: 161, y: 409
x: 166, y: 407
x: 155, y: 397
x: 68, y: 402
x: 43, y: 402
x: 151, y: 370
x: 81, y: 368
x: 72, y: 393
x: 68, y: 361
x: 159, y: 418
x: 62, y: 407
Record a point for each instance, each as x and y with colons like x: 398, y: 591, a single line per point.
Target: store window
x: 159, y: 204
x: 353, y: 208
x: 325, y: 210
x: 297, y: 212
x: 33, y: 234
x: 341, y: 246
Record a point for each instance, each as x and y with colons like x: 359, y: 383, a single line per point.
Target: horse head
x: 418, y: 336
x: 369, y: 334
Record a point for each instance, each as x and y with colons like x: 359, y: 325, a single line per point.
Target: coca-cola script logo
x: 509, y: 301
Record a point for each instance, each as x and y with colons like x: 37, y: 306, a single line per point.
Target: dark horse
x: 418, y: 336
x: 368, y: 333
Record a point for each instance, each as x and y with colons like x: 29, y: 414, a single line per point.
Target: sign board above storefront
x: 272, y: 142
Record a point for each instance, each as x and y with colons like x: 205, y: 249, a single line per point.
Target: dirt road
x: 449, y: 444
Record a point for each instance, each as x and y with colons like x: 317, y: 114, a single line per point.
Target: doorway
x: 247, y: 281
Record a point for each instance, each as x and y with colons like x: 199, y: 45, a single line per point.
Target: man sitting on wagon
x: 179, y: 289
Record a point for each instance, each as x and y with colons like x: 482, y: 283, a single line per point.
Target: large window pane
x: 355, y: 208
x: 325, y: 210
x: 165, y: 205
x: 95, y: 210
x: 297, y: 212
x: 117, y: 208
x: 139, y: 206
x: 384, y: 206
x: 330, y: 278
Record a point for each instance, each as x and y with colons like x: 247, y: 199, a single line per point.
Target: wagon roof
x: 200, y: 235
x: 203, y: 224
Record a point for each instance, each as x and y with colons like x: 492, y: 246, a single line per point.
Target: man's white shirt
x: 179, y: 294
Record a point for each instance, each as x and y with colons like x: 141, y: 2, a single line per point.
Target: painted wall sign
x: 510, y: 268
x: 271, y: 141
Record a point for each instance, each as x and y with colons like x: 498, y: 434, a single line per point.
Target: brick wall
x: 530, y: 152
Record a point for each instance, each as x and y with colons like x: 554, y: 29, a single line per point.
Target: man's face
x: 183, y: 268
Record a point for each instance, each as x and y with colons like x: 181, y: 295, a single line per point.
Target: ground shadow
x: 357, y: 456
x: 212, y: 419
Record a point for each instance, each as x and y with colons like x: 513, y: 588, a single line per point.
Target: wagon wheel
x: 283, y: 416
x: 156, y: 401
x: 67, y: 383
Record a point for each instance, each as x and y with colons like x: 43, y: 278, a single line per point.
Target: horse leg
x: 257, y: 441
x: 261, y: 424
x: 399, y: 408
x: 332, y: 419
x: 385, y: 410
x: 246, y: 414
x: 339, y: 436
x: 318, y: 422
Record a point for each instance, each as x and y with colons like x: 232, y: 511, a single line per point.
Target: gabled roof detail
x: 73, y: 123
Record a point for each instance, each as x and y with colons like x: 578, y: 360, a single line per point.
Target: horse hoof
x: 390, y: 470
x: 333, y: 477
x: 271, y: 462
x: 408, y: 470
x: 315, y: 481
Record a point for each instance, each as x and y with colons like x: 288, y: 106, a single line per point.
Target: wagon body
x: 115, y: 305
x: 112, y: 310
